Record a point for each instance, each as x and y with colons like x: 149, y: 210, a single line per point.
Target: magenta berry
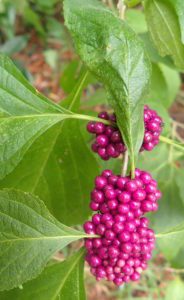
x: 124, y: 236
x: 96, y: 219
x: 94, y: 261
x: 97, y: 196
x: 100, y: 182
x: 139, y: 195
x: 99, y: 128
x: 125, y: 242
x: 124, y: 197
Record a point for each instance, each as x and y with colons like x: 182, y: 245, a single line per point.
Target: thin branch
x: 179, y: 138
x: 121, y: 7
x: 111, y: 4
x: 171, y: 142
x: 178, y: 124
x: 175, y: 270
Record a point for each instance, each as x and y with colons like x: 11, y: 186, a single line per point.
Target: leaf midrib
x: 59, y: 238
x: 59, y: 131
x: 45, y: 115
x: 163, y: 234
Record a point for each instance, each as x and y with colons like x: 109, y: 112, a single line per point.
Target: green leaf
x: 172, y: 232
x: 32, y: 18
x: 51, y: 58
x: 94, y: 98
x: 173, y: 81
x: 29, y: 236
x: 136, y: 20
x: 57, y: 31
x: 179, y: 182
x: 58, y: 281
x: 132, y: 3
x: 161, y: 15
x: 153, y: 53
x: 14, y: 45
x: 21, y: 97
x: 177, y: 261
x: 162, y: 163
x: 172, y: 142
x: 24, y: 115
x: 169, y: 215
x: 58, y: 160
x: 70, y: 75
x: 178, y: 6
x: 175, y: 290
x: 165, y: 84
x: 113, y: 52
x: 158, y: 90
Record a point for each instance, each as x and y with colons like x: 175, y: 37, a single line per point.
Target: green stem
x: 132, y: 168
x: 90, y: 118
x: 132, y: 3
x: 125, y: 164
x: 171, y: 142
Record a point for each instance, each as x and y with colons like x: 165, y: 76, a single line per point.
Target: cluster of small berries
x: 108, y: 142
x: 125, y: 242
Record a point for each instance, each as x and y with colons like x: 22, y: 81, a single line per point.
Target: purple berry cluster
x: 153, y: 127
x: 108, y: 142
x: 125, y: 241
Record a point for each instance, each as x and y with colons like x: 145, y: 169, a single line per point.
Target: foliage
x: 44, y: 151
x: 57, y: 280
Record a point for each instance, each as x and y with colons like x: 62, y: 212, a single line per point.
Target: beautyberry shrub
x: 108, y: 142
x: 125, y: 241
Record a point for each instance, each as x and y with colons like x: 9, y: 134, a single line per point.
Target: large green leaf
x: 178, y: 6
x: 24, y: 115
x: 56, y: 161
x: 173, y: 81
x: 113, y: 52
x: 29, y: 236
x: 161, y: 15
x: 165, y: 84
x: 162, y: 163
x: 58, y: 281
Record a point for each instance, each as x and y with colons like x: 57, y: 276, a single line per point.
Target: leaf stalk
x: 125, y: 164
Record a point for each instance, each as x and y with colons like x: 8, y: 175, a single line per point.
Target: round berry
x: 100, y: 182
x: 139, y: 195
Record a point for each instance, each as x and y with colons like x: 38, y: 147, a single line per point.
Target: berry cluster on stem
x: 125, y: 241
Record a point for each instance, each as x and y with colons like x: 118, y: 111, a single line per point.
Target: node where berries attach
x: 108, y: 142
x: 125, y: 241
